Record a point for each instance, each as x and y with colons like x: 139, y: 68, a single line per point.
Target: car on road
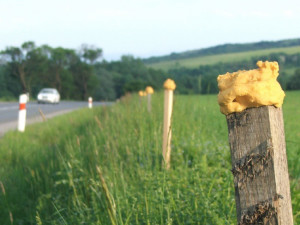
x: 48, y: 95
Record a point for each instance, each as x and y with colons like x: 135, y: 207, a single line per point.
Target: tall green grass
x: 104, y: 166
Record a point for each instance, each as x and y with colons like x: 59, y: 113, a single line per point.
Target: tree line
x: 203, y: 80
x: 77, y: 74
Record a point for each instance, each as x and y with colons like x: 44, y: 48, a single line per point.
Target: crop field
x: 104, y: 166
x: 224, y: 58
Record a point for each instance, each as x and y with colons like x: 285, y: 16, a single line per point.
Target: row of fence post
x: 258, y: 156
x: 259, y: 162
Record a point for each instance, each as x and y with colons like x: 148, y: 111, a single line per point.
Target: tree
x: 105, y: 85
x: 84, y: 79
x: 61, y: 59
x: 83, y: 70
x: 17, y: 60
x: 8, y: 86
x: 35, y: 70
x: 90, y: 54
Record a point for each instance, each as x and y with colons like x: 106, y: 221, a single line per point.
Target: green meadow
x: 104, y: 166
x: 218, y: 58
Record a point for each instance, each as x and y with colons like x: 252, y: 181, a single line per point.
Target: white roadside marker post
x: 169, y: 86
x: 149, y: 91
x: 90, y: 102
x: 22, y: 112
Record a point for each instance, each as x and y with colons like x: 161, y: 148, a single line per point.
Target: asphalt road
x: 9, y: 112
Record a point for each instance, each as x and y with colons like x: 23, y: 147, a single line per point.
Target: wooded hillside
x: 225, y: 48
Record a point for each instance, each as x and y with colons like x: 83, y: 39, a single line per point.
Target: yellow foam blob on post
x: 169, y: 84
x: 247, y: 89
x: 149, y: 90
x: 141, y: 93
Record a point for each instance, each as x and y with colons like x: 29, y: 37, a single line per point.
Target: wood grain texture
x: 259, y: 165
x: 167, y: 131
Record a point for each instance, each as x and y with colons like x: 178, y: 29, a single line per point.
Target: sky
x: 145, y: 28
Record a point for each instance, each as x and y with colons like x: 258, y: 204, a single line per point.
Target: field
x: 104, y: 166
x: 225, y: 58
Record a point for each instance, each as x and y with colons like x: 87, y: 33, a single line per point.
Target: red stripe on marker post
x: 22, y: 106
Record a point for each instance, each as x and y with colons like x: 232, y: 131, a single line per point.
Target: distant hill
x: 224, y: 49
x: 196, y: 71
x: 195, y: 62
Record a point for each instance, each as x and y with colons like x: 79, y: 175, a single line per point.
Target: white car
x: 49, y: 95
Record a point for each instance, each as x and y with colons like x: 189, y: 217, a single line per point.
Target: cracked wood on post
x: 259, y: 166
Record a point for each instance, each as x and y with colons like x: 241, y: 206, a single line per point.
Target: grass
x: 7, y: 99
x: 104, y: 166
x: 224, y: 58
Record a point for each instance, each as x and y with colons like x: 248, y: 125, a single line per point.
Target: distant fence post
x: 141, y: 94
x: 169, y: 86
x: 22, y: 112
x: 90, y: 102
x: 149, y: 91
x: 259, y: 166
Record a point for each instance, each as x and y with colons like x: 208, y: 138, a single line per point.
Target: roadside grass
x: 219, y: 58
x: 7, y: 99
x: 104, y: 166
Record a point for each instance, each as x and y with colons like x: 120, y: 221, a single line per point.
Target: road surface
x: 9, y: 112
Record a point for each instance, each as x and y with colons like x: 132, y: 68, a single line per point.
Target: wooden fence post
x: 259, y: 166
x: 252, y: 101
x: 257, y: 144
x: 149, y: 91
x: 141, y: 94
x: 169, y: 86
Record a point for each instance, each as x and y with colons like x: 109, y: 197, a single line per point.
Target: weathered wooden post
x: 169, y: 86
x: 22, y: 112
x: 149, y: 91
x: 251, y: 101
x: 141, y: 94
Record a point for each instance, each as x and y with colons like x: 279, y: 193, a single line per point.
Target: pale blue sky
x: 145, y: 28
